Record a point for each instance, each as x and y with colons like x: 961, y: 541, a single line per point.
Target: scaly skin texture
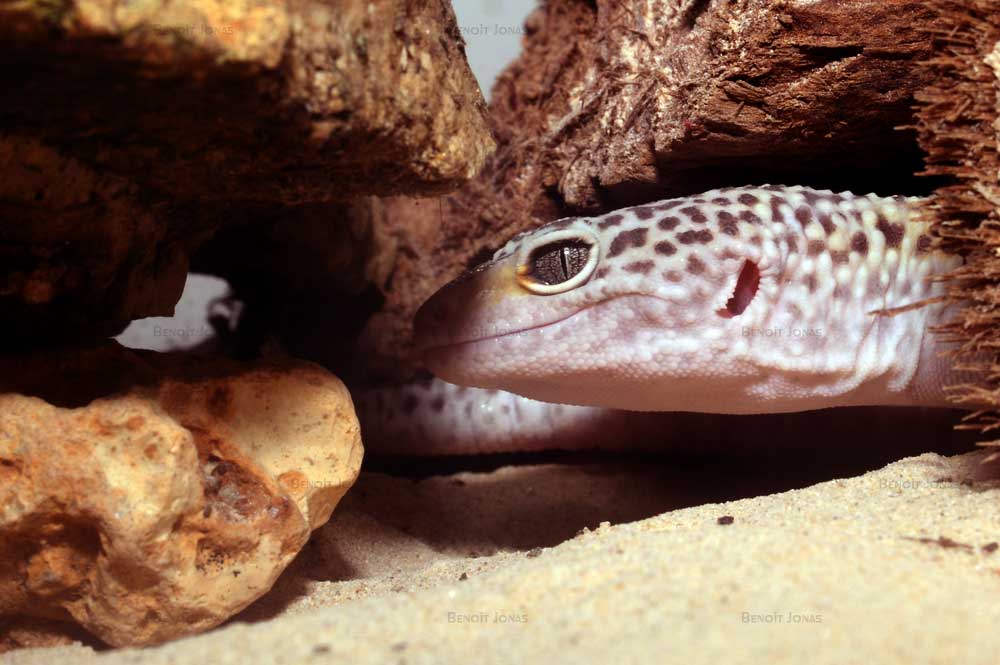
x: 432, y: 417
x: 665, y: 318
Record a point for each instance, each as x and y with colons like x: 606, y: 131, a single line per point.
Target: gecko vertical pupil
x: 559, y: 261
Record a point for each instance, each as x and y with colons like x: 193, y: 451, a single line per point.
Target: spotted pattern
x: 893, y: 232
x: 610, y: 221
x: 665, y: 247
x: 839, y: 239
x: 626, y: 239
x: 695, y: 214
x: 701, y: 237
x: 859, y: 243
x: 640, y: 267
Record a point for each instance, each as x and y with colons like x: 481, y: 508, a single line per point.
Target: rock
x: 161, y: 511
x: 137, y: 131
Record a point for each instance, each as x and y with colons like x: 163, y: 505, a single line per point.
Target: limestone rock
x: 163, y: 510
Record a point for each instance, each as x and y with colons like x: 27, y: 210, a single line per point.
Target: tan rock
x: 164, y: 510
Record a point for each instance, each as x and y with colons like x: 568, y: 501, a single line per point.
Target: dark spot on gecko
x: 859, y: 243
x: 839, y: 256
x: 893, y: 232
x: 626, y: 239
x: 609, y: 221
x: 694, y: 237
x: 815, y: 247
x: 695, y: 266
x: 665, y: 247
x: 468, y: 410
x: 602, y: 272
x: 826, y: 221
x: 792, y: 242
x: 505, y: 409
x: 409, y: 404
x: 668, y: 223
x: 643, y: 212
x: 750, y: 218
x: 672, y: 276
x: 990, y: 548
x: 811, y: 283
x: 727, y: 224
x: 904, y: 288
x: 695, y: 213
x: 720, y: 201
x: 669, y: 205
x: 841, y: 292
x: 748, y: 199
x: 641, y: 267
x: 804, y: 215
x: 756, y: 239
x: 725, y: 520
x: 558, y: 224
x: 437, y: 404
x: 776, y: 203
x: 811, y: 197
x: 924, y: 244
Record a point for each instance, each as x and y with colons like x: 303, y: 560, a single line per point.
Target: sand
x: 628, y: 561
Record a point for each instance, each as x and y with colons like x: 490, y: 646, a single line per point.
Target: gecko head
x: 582, y: 310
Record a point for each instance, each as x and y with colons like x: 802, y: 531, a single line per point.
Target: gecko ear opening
x: 746, y: 288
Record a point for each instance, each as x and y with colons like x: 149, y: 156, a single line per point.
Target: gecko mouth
x: 434, y: 347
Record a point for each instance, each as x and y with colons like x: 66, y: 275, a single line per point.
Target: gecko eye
x: 557, y: 262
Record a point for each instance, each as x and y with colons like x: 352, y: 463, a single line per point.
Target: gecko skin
x: 739, y: 300
x: 432, y: 417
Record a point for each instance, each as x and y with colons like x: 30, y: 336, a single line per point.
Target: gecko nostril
x: 746, y: 288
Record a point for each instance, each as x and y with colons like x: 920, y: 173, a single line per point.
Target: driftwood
x: 130, y: 132
x: 959, y: 127
x: 617, y: 103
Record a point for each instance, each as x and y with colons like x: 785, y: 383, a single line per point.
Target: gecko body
x: 739, y: 300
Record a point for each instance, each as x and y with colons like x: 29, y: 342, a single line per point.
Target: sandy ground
x: 598, y: 561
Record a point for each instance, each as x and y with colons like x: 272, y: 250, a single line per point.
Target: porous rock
x: 162, y: 509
